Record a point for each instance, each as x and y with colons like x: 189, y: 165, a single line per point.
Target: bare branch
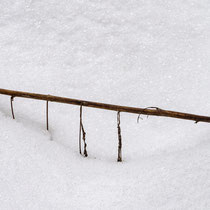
x: 155, y: 111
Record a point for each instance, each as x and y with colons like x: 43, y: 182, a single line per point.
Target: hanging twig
x: 139, y: 117
x: 11, y: 102
x: 119, y: 159
x: 47, y: 118
x: 85, y: 145
x: 81, y: 129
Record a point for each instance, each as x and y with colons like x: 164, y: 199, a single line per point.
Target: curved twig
x: 150, y: 107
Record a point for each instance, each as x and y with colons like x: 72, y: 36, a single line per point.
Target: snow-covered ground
x: 132, y: 52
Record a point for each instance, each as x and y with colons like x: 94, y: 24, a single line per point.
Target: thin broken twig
x: 84, y: 141
x: 81, y: 129
x: 11, y: 103
x: 47, y: 116
x: 119, y: 159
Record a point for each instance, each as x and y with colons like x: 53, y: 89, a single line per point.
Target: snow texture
x: 133, y: 52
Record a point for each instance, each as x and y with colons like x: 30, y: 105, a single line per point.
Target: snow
x: 135, y: 53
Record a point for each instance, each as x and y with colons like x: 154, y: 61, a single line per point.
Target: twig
x: 47, y: 118
x: 11, y: 103
x: 81, y: 129
x: 139, y: 117
x: 150, y: 107
x: 85, y: 145
x: 119, y: 159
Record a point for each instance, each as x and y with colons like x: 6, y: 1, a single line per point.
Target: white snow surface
x: 133, y: 52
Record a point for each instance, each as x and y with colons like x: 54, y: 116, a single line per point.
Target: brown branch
x: 154, y: 112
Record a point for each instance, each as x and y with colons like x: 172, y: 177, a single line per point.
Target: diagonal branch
x: 134, y: 110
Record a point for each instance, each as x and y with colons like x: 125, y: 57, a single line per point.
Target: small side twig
x: 11, y: 103
x: 139, y: 117
x: 119, y: 159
